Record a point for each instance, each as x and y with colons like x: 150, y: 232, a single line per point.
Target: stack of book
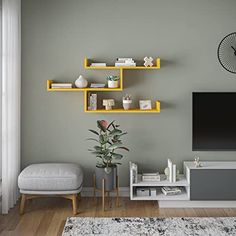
x: 98, y: 64
x: 151, y: 177
x: 171, y: 190
x: 61, y: 85
x: 125, y: 62
x: 97, y: 85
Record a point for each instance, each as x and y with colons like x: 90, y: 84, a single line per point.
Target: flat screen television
x: 214, y: 121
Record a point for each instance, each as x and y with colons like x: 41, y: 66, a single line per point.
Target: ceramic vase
x: 81, y: 82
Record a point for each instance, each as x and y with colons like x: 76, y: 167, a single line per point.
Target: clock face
x: 227, y: 52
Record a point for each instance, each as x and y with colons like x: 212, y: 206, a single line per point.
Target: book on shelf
x: 98, y: 64
x: 61, y: 85
x: 171, y: 190
x: 92, y: 101
x: 97, y: 85
x: 125, y: 64
x: 151, y: 177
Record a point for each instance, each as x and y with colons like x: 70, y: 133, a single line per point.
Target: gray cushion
x: 51, y: 177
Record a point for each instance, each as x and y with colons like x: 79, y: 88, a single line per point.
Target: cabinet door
x: 207, y: 184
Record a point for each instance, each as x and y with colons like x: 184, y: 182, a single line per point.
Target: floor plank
x: 47, y: 216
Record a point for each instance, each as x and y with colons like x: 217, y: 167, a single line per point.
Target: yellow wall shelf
x: 87, y: 63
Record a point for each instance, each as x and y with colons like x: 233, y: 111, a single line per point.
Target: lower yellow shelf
x: 123, y: 111
x: 120, y: 110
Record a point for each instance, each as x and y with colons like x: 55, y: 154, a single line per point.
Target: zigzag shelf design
x: 121, y: 69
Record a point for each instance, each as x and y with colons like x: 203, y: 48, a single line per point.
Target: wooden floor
x: 47, y: 216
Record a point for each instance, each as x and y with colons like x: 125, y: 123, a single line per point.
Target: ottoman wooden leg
x: 22, y: 203
x: 74, y: 203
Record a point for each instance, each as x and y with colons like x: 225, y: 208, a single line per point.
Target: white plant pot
x: 113, y: 84
x: 127, y: 104
x: 81, y: 82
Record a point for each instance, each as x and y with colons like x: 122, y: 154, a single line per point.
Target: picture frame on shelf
x: 145, y: 104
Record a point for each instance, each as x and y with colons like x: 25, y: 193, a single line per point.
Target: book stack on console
x: 98, y: 64
x: 61, y: 85
x: 97, y: 85
x: 151, y: 177
x: 171, y: 190
x: 125, y: 62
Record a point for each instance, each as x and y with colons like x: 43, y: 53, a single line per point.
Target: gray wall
x: 58, y: 34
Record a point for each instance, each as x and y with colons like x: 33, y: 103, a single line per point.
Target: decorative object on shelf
x: 134, y: 172
x: 148, y: 61
x: 113, y: 81
x: 171, y: 172
x: 197, y: 162
x: 125, y: 62
x: 81, y: 82
x: 127, y: 102
x: 108, y: 103
x: 151, y: 177
x: 170, y: 166
x: 143, y: 192
x: 227, y: 52
x: 92, y: 102
x: 109, y: 140
x: 61, y: 85
x: 171, y: 190
x: 153, y: 192
x: 145, y: 104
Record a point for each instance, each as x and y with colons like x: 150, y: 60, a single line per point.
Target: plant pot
x: 127, y: 104
x: 113, y: 84
x: 110, y: 178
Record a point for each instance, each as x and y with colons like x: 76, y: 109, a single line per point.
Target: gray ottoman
x: 61, y: 179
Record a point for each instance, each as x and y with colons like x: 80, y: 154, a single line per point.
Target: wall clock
x: 227, y: 52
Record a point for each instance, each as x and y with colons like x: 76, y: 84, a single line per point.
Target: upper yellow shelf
x: 155, y: 67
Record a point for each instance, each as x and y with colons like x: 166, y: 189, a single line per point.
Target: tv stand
x: 212, y: 185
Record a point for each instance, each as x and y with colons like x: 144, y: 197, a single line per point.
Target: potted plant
x: 113, y: 81
x: 108, y: 142
x: 127, y: 102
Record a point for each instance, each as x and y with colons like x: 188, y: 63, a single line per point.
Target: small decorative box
x: 153, y: 192
x: 142, y: 192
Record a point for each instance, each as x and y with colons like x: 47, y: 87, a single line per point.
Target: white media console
x: 212, y: 185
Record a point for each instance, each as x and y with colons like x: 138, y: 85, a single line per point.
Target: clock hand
x: 234, y: 50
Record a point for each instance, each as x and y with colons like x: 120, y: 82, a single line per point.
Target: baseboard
x: 197, y: 204
x: 88, y: 192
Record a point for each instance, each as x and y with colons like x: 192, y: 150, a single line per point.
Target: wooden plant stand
x: 106, y: 192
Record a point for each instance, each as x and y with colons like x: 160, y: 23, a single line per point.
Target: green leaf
x: 124, y: 148
x: 92, y: 139
x: 115, y: 132
x: 97, y: 148
x: 94, y: 131
x: 116, y: 155
x: 103, y: 139
x: 110, y: 124
x: 96, y: 153
x: 115, y: 145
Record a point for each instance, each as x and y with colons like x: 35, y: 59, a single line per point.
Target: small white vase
x: 127, y: 104
x: 113, y: 84
x: 81, y: 82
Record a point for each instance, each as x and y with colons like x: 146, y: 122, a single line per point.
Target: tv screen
x: 214, y: 121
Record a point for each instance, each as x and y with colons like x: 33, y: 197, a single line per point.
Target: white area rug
x: 191, y: 226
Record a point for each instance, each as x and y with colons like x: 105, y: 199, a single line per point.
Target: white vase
x: 113, y: 84
x: 127, y: 104
x: 81, y: 82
